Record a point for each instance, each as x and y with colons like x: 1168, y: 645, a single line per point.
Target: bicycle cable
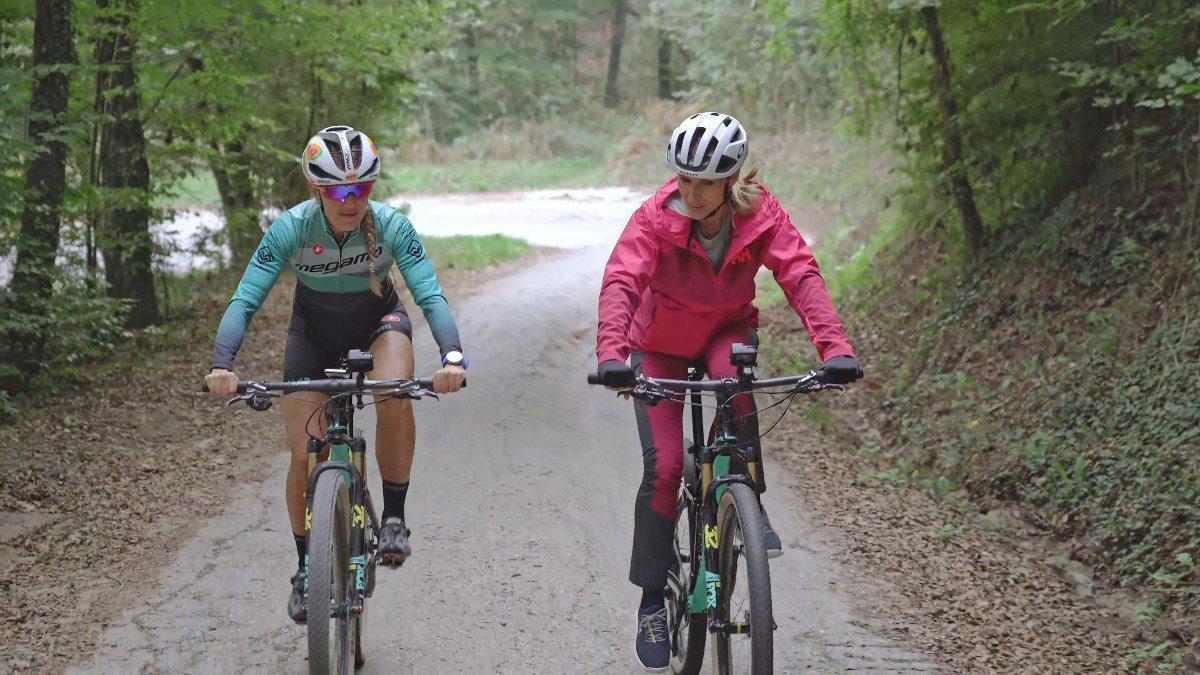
x: 786, y: 400
x: 375, y: 400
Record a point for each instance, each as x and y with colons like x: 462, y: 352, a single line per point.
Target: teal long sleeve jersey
x: 334, y: 271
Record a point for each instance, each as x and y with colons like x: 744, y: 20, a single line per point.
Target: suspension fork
x: 358, y: 522
x: 345, y: 446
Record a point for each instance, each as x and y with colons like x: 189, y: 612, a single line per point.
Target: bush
x: 50, y: 344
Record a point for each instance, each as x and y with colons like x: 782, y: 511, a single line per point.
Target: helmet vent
x: 335, y: 153
x: 356, y: 148
x: 708, y: 152
x: 374, y: 167
x: 726, y: 164
x: 319, y: 172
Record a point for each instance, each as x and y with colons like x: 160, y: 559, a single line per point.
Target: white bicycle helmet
x: 339, y: 155
x: 707, y: 145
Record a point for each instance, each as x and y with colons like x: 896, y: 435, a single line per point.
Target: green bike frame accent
x: 339, y: 452
x: 704, y: 596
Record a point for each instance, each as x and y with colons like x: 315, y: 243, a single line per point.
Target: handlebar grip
x: 593, y: 378
x: 241, y: 386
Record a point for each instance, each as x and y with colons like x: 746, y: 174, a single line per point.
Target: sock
x: 301, y: 547
x: 652, y: 598
x: 393, y: 499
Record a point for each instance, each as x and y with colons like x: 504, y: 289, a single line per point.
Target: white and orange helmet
x: 339, y: 155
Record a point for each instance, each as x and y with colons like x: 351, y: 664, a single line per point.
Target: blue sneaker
x: 653, y: 643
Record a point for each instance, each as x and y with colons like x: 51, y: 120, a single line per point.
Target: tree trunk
x: 45, y: 189
x: 611, y: 95
x: 665, y: 88
x: 952, y: 164
x: 231, y: 168
x: 124, y: 239
x: 472, y: 44
x: 45, y: 179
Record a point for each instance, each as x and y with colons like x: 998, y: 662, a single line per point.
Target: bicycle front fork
x: 351, y: 461
x: 706, y: 590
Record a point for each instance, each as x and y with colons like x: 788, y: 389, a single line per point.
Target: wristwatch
x: 455, y: 358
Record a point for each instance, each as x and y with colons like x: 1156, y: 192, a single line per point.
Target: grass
x: 467, y: 252
x: 492, y: 175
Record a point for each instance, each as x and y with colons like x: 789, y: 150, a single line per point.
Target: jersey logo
x: 264, y: 255
x: 318, y: 249
x: 390, y: 318
x: 335, y: 265
x: 741, y: 257
x: 415, y: 249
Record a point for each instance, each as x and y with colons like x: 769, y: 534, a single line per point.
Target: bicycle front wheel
x: 744, y: 597
x: 331, y: 638
x: 687, y: 630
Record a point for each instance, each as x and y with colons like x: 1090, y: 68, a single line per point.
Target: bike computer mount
x: 745, y: 358
x: 357, y: 362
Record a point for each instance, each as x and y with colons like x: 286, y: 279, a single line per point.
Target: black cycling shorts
x: 320, y: 340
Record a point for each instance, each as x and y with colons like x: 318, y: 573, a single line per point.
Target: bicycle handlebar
x: 726, y: 385
x: 331, y: 386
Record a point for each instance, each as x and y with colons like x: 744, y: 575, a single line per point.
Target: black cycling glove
x: 842, y: 369
x: 614, y: 373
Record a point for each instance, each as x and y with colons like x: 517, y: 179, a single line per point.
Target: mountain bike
x: 340, y: 520
x: 721, y: 582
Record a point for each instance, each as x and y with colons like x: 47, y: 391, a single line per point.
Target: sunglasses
x: 341, y: 192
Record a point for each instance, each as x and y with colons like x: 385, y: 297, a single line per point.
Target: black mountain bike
x: 721, y: 583
x: 342, y: 528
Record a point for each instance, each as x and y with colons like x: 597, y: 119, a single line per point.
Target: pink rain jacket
x: 660, y: 293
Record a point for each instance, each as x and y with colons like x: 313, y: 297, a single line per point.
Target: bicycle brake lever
x: 417, y: 394
x: 258, y: 402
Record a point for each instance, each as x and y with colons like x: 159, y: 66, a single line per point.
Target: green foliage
x: 724, y: 44
x: 259, y: 78
x: 198, y: 189
x: 65, y: 336
x: 1039, y: 87
x: 506, y: 60
x: 1074, y: 387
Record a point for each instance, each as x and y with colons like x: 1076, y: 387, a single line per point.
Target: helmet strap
x: 727, y: 199
x: 712, y: 213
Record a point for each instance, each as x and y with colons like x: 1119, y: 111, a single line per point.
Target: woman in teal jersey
x: 341, y: 247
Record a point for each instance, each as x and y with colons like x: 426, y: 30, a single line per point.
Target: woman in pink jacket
x: 678, y: 290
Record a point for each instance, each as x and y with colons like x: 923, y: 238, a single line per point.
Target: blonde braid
x: 368, y: 227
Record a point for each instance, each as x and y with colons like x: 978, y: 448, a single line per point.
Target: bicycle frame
x: 714, y: 461
x: 347, y: 453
